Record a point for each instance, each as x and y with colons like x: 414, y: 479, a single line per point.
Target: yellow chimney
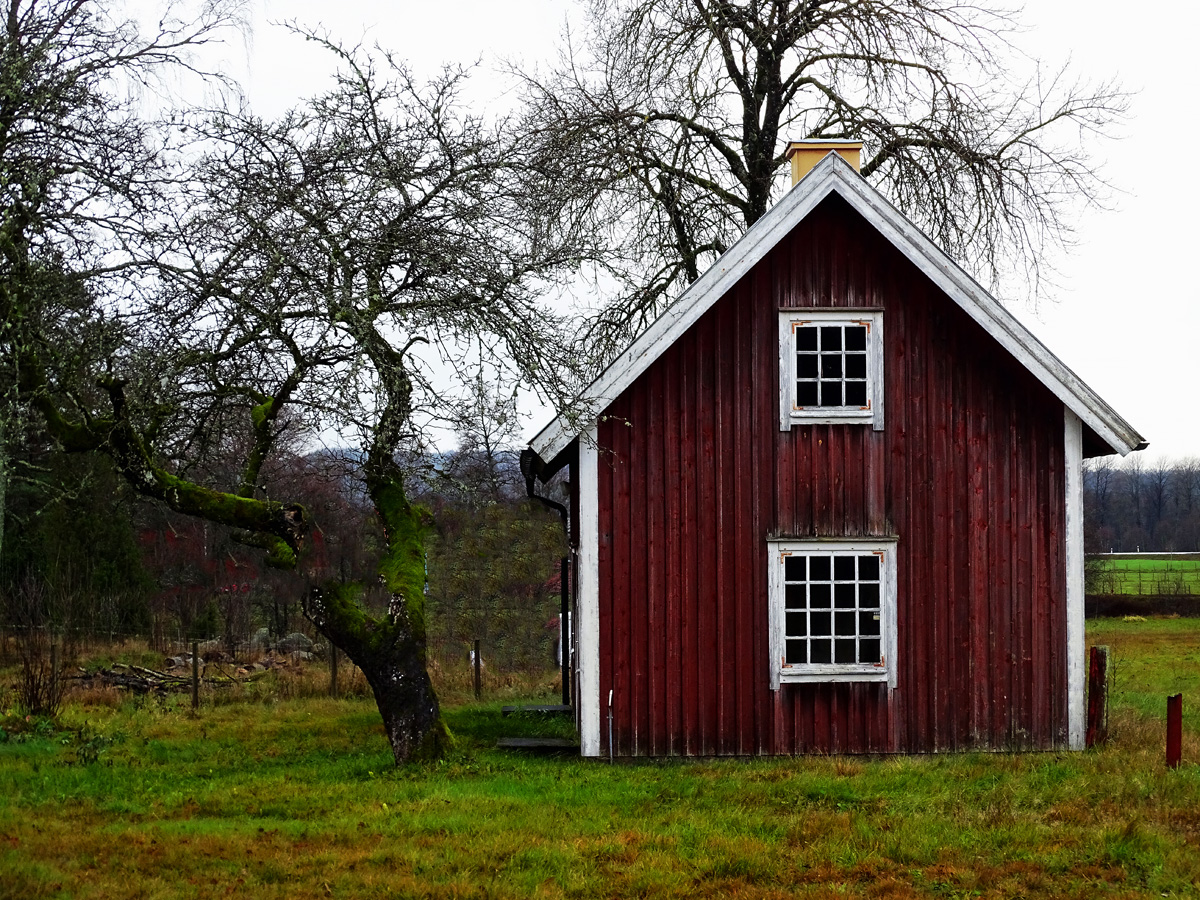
x: 806, y: 154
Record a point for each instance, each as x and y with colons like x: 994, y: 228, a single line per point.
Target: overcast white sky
x: 1125, y: 317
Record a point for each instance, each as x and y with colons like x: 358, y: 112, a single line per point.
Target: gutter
x: 533, y: 468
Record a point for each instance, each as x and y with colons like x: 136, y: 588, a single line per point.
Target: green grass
x: 1151, y: 660
x: 1169, y: 575
x: 299, y: 799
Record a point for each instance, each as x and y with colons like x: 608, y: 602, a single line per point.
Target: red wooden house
x: 830, y: 501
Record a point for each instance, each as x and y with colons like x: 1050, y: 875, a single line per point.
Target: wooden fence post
x: 1097, y: 700
x: 564, y: 634
x: 53, y: 698
x: 333, y: 664
x: 478, y: 662
x: 1174, y: 730
x: 195, y: 674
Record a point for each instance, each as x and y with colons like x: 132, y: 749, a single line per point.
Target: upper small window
x: 831, y: 367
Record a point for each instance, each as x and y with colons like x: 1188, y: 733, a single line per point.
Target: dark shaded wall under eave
x: 695, y: 475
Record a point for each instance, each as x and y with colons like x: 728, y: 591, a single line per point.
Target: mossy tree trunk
x: 390, y: 649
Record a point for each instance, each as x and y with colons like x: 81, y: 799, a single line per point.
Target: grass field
x: 1162, y: 575
x: 299, y: 799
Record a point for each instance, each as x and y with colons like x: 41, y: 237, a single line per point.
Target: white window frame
x: 781, y: 673
x: 790, y: 414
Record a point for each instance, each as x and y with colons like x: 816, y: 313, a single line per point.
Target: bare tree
x: 1133, y: 488
x: 77, y: 175
x: 1187, y: 485
x: 288, y: 290
x: 374, y: 224
x: 1157, y: 493
x: 669, y: 119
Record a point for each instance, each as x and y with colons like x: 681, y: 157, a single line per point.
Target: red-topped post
x: 1174, y: 730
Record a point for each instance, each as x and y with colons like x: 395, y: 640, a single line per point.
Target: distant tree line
x: 1140, y: 504
x: 85, y: 558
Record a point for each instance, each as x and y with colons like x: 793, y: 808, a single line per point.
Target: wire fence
x: 449, y: 660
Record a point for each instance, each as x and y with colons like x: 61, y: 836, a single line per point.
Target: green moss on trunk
x: 390, y: 649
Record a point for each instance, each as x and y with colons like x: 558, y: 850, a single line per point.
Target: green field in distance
x: 1147, y: 574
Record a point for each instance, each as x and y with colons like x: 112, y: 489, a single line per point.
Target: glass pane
x: 868, y: 568
x: 806, y: 365
x: 843, y: 624
x: 806, y: 338
x: 831, y: 393
x: 843, y: 568
x: 831, y: 365
x: 797, y: 624
x: 845, y: 651
x: 796, y: 653
x: 806, y: 393
x: 819, y: 651
x: 793, y: 568
x: 831, y: 337
x: 856, y: 365
x: 868, y: 596
x: 818, y: 568
x: 819, y: 623
x: 818, y: 595
x: 856, y: 393
x: 868, y: 624
x: 794, y: 596
x: 868, y: 651
x: 843, y: 596
x: 856, y: 337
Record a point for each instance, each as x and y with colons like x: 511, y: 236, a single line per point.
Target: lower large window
x: 833, y: 610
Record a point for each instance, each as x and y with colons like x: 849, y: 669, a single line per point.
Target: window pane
x: 806, y: 365
x: 820, y: 624
x: 843, y: 624
x: 806, y: 393
x: 868, y: 624
x: 806, y: 338
x: 794, y: 596
x: 843, y: 596
x: 831, y: 365
x: 831, y: 337
x: 818, y: 595
x: 796, y: 653
x: 856, y: 393
x: 831, y: 393
x: 820, y: 651
x: 868, y: 596
x: 856, y: 365
x: 797, y: 624
x: 831, y: 606
x: 868, y: 568
x: 856, y: 337
x: 843, y: 568
x: 868, y: 651
x: 793, y: 568
x: 845, y: 651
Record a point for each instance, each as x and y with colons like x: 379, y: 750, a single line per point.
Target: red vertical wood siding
x: 695, y: 476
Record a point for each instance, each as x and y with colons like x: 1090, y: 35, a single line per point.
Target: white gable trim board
x: 833, y: 174
x: 587, y: 598
x: 1073, y: 488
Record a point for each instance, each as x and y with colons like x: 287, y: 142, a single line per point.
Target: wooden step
x: 538, y: 745
x: 549, y: 709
